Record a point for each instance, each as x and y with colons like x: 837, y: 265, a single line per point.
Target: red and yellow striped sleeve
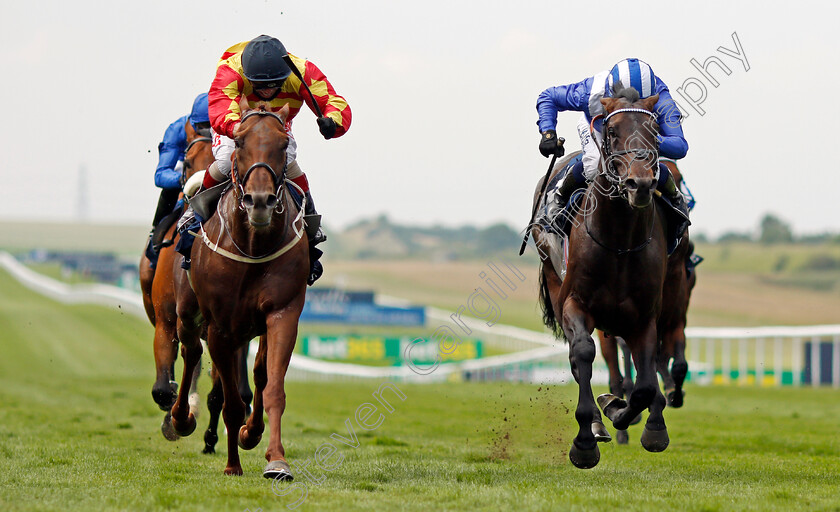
x: 226, y: 91
x: 332, y: 105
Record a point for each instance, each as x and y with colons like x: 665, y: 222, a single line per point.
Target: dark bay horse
x: 615, y: 275
x: 249, y: 269
x: 676, y: 295
x: 158, y: 290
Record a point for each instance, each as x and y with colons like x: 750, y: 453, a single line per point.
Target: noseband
x: 608, y: 155
x: 279, y: 180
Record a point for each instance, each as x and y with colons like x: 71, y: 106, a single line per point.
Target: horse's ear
x: 244, y: 106
x: 610, y: 104
x: 650, y: 102
x: 284, y: 113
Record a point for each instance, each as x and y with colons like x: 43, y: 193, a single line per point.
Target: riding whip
x: 560, y: 152
x: 296, y: 71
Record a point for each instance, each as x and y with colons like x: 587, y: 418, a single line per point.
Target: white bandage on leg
x: 589, y: 143
x: 293, y: 170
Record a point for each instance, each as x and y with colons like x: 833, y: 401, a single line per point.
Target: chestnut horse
x: 671, y: 327
x: 249, y: 270
x: 615, y: 275
x: 158, y: 291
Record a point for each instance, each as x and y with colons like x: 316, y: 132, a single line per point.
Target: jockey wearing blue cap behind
x: 171, y: 158
x: 585, y: 97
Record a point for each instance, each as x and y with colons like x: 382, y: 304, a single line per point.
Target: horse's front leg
x: 578, y: 326
x: 251, y: 432
x: 679, y: 367
x: 223, y: 352
x: 646, y: 393
x: 165, y: 388
x: 215, y: 399
x: 244, y: 388
x: 281, y: 335
x: 183, y: 419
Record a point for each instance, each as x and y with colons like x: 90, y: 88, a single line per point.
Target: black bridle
x: 648, y: 153
x: 187, y: 150
x: 611, y: 174
x: 278, y: 179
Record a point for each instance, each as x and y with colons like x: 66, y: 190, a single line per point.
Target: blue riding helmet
x: 199, y: 116
x: 632, y: 73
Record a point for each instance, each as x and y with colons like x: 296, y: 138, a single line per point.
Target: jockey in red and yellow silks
x: 259, y: 72
x: 230, y: 85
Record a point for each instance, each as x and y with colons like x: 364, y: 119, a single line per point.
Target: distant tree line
x: 771, y: 231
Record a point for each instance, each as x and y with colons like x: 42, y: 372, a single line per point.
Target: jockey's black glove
x: 549, y: 145
x: 327, y: 127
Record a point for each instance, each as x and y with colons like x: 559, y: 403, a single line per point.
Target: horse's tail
x: 549, y: 318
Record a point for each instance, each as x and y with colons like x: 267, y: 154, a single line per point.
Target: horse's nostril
x: 271, y: 201
x: 631, y: 184
x: 248, y: 200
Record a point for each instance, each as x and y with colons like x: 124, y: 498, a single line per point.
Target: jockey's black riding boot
x: 166, y: 204
x: 555, y: 212
x: 315, y: 235
x: 670, y: 190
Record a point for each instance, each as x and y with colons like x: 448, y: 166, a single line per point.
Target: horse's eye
x: 237, y: 143
x: 612, y: 133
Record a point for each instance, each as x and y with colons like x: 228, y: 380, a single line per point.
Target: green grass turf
x: 79, y: 431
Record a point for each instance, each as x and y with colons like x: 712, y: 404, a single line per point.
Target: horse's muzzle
x: 639, y: 191
x: 260, y: 207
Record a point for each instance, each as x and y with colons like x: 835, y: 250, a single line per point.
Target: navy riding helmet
x: 263, y: 62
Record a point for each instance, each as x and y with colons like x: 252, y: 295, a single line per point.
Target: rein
x: 243, y: 256
x: 239, y: 191
x: 611, y: 175
x: 618, y: 252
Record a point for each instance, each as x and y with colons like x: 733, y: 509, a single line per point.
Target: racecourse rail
x: 752, y: 356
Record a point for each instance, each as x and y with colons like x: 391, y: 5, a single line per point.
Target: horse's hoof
x: 600, y: 432
x: 675, y: 399
x: 279, y: 470
x: 611, y: 404
x: 185, y: 428
x: 247, y: 442
x: 233, y: 470
x: 167, y: 430
x: 621, y: 437
x: 210, y: 440
x: 165, y: 396
x: 584, y: 459
x: 655, y: 440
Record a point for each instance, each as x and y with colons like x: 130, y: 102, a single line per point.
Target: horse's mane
x: 628, y: 93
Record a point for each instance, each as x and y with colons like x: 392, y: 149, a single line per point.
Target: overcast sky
x: 443, y: 97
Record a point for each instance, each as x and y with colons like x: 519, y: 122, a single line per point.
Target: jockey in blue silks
x: 171, y: 158
x: 585, y: 97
